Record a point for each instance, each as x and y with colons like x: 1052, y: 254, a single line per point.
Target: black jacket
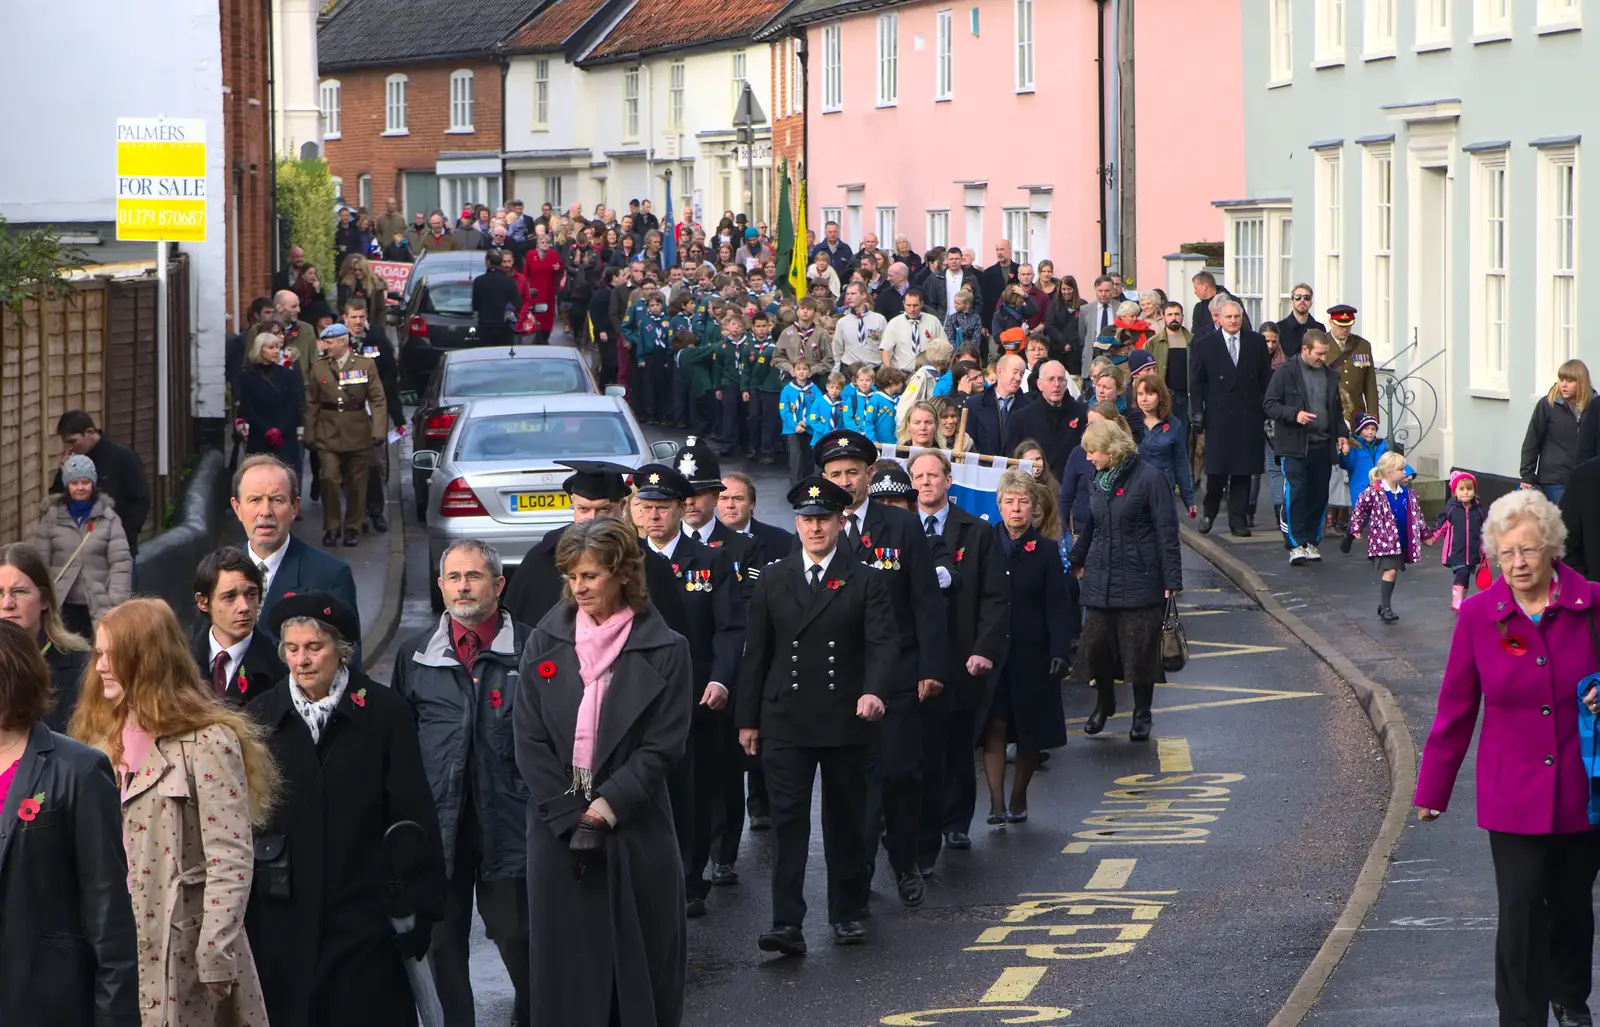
x: 774, y: 543
x: 810, y: 655
x: 1061, y: 333
x: 713, y: 605
x: 258, y: 671
x: 913, y: 589
x: 308, y: 569
x: 68, y: 952
x: 1129, y: 548
x: 600, y: 317
x: 979, y: 607
x: 1286, y: 397
x: 1291, y: 332
x: 1058, y: 429
x: 120, y: 475
x: 889, y: 302
x: 496, y: 300
x: 66, y: 672
x: 1044, y: 624
x: 983, y: 420
x: 936, y: 298
x: 1550, y: 447
x: 376, y: 344
x: 1200, y: 321
x: 994, y: 280
x: 466, y: 713
x: 1226, y: 401
x: 269, y: 396
x: 536, y: 586
x: 1580, y: 510
x: 326, y: 955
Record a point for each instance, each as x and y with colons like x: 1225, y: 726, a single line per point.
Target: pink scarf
x: 136, y: 746
x: 598, y: 647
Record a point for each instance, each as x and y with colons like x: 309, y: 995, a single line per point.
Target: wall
x: 296, y: 115
x: 361, y: 147
x: 1506, y: 93
x: 787, y: 111
x: 250, y: 167
x: 66, y: 171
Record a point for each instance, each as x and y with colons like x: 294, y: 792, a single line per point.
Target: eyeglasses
x: 1301, y: 297
x: 20, y: 595
x: 1527, y: 553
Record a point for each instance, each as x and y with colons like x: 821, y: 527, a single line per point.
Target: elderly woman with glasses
x: 1520, y: 650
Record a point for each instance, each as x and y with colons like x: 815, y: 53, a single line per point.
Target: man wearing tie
x: 819, y: 658
x: 909, y: 334
x: 234, y: 656
x: 1230, y: 368
x: 1100, y: 312
x: 990, y: 411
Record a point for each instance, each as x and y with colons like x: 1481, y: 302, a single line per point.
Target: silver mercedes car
x: 496, y: 477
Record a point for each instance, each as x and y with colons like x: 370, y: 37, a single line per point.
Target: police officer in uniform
x: 714, y: 611
x: 345, y: 413
x: 1351, y: 356
x: 698, y: 462
x: 819, y: 659
x: 891, y: 541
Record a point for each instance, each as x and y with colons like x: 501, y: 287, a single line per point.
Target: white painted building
x: 296, y: 111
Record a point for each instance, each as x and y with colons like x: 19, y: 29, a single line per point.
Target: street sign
x: 748, y: 112
x: 394, y: 273
x: 161, y: 179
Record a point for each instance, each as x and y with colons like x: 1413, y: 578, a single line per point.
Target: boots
x: 1104, y: 708
x: 1143, y: 695
x: 1457, y: 593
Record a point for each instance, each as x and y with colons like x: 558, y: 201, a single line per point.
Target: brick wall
x: 788, y: 130
x: 363, y: 149
x: 247, y: 128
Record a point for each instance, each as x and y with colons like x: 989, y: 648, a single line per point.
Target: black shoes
x: 696, y: 908
x: 1242, y: 531
x: 1014, y: 817
x: 1388, y: 614
x: 791, y: 941
x: 330, y: 539
x: 845, y: 932
x: 1346, y: 542
x: 1205, y: 525
x: 911, y: 888
x: 760, y: 822
x: 1140, y: 731
x: 1096, y: 721
x: 380, y: 523
x: 957, y: 840
x: 723, y: 875
x: 352, y: 539
x: 1571, y: 1016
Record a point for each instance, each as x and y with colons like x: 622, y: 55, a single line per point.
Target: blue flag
x: 669, y: 231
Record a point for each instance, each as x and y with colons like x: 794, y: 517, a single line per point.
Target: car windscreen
x: 478, y: 379
x: 559, y: 435
x: 452, y: 298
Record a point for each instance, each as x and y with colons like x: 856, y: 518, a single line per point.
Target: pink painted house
x: 964, y: 122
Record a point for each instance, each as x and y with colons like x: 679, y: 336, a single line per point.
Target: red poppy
x: 327, y: 611
x: 287, y: 594
x: 675, y: 569
x: 866, y: 540
x: 1514, y: 645
x: 1166, y: 426
x: 1072, y: 423
x: 89, y: 527
x: 835, y: 583
x: 494, y: 698
x: 547, y: 669
x: 960, y: 553
x: 29, y: 807
x: 244, y: 684
x: 360, y: 698
x: 1029, y: 546
x: 1119, y: 492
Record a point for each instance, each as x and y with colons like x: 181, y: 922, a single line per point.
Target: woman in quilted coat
x: 1391, y: 517
x: 82, y: 541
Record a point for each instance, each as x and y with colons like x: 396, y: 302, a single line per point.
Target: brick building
x: 247, y: 138
x: 787, y: 110
x: 411, y: 100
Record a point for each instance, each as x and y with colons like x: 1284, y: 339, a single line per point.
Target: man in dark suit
x: 266, y: 499
x: 714, y: 606
x: 995, y: 278
x: 234, y: 655
x: 978, y: 603
x: 1294, y: 327
x: 1054, y: 419
x: 1205, y: 290
x: 819, y: 659
x: 989, y: 412
x: 698, y: 462
x: 736, y: 506
x: 891, y: 541
x: 1229, y: 370
x: 945, y: 278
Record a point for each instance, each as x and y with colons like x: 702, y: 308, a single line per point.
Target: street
x: 1188, y: 880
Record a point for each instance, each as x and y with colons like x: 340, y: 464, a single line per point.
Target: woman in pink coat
x: 1520, y: 649
x: 542, y: 270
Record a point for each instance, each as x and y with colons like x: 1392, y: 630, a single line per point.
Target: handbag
x: 1484, y: 578
x: 1174, y: 643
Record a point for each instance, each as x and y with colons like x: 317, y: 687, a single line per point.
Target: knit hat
x: 1461, y: 476
x: 78, y: 466
x: 1363, y: 421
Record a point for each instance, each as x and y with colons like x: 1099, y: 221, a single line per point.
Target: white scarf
x: 316, y: 712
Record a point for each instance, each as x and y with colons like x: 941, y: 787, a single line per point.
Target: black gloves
x: 413, y: 944
x: 588, y: 845
x: 1347, y: 542
x: 1058, y: 668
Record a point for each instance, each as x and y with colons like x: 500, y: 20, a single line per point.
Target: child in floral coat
x: 1390, y: 515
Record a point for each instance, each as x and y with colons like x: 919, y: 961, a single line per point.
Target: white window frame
x: 338, y: 188
x: 1491, y: 20
x: 396, y: 114
x: 1247, y: 260
x: 1282, y: 229
x: 541, y: 94
x: 630, y: 105
x: 677, y: 73
x: 1328, y: 230
x: 1280, y: 43
x: 938, y: 229
x: 739, y: 73
x: 797, y: 78
x: 887, y: 218
x: 943, y: 56
x: 1014, y: 229
x: 1488, y: 259
x: 1558, y: 16
x: 1379, y: 19
x: 330, y: 97
x: 364, y: 196
x: 832, y: 68
x: 888, y: 59
x: 1329, y: 46
x: 462, y: 89
x: 1435, y: 25
x: 1024, y: 70
x: 552, y: 192
x: 827, y: 214
x: 1556, y: 242
x: 1378, y: 242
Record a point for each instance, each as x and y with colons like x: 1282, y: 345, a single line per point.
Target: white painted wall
x: 296, y: 112
x: 66, y: 170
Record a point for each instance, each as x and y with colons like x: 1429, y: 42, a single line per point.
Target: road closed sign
x: 161, y: 179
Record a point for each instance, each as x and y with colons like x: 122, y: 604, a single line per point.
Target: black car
x: 438, y: 319
x: 463, y: 375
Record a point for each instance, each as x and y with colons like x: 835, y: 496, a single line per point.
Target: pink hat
x: 1460, y: 476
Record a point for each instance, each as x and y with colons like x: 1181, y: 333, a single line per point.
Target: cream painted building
x: 296, y: 111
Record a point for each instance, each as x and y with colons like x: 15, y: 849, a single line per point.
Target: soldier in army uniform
x: 1351, y: 356
x: 345, y: 413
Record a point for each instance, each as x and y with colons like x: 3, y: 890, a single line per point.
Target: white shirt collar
x: 702, y: 533
x: 272, y: 563
x: 939, y: 516
x: 667, y: 549
x: 235, y: 652
x: 827, y: 558
x: 860, y: 514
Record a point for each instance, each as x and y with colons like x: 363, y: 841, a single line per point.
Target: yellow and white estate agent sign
x: 161, y: 179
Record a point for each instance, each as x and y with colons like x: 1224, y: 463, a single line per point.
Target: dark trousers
x: 1305, y: 494
x: 703, y: 415
x: 503, y: 905
x: 936, y: 716
x: 800, y: 462
x: 732, y: 414
x: 1237, y: 486
x: 765, y: 424
x: 653, y: 389
x: 961, y: 771
x: 728, y: 826
x: 708, y: 749
x: 894, y: 784
x: 1546, y: 934
x: 790, y: 770
x: 378, y: 479
x: 680, y: 793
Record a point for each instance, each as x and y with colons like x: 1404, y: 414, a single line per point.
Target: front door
x: 1425, y: 365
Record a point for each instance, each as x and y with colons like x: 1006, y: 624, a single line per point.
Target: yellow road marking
x: 1230, y: 649
x: 1174, y: 755
x: 1016, y: 983
x: 1251, y: 695
x: 1112, y: 874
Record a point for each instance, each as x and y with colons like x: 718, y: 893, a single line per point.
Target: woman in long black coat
x: 268, y: 396
x: 325, y: 952
x: 605, y: 882
x: 1026, y: 708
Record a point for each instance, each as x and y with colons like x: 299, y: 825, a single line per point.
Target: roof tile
x: 366, y: 32
x: 667, y: 24
x: 552, y: 27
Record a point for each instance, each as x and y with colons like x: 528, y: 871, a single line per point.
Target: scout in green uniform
x: 1351, y: 356
x: 761, y: 383
x: 345, y: 412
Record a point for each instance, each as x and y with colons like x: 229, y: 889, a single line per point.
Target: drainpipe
x: 504, y: 62
x: 1109, y: 119
x: 1100, y: 91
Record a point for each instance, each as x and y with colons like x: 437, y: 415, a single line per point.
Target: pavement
x: 1418, y: 946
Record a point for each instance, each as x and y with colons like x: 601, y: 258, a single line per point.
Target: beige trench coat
x: 186, y: 822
